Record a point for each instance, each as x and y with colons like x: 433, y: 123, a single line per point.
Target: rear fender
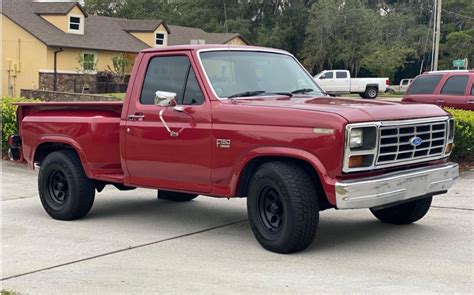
x: 67, y: 141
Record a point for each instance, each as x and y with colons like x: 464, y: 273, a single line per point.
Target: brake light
x: 387, y: 82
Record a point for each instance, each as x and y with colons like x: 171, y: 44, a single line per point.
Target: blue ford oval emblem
x: 416, y: 141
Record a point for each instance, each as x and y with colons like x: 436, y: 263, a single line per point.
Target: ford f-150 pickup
x: 230, y: 121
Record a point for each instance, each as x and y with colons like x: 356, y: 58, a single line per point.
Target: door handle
x: 470, y: 101
x: 136, y: 117
x: 440, y: 100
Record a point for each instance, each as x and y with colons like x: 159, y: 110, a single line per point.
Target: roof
x: 100, y: 32
x: 55, y: 7
x: 138, y: 25
x: 183, y: 35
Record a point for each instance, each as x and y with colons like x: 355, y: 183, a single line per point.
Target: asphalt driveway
x: 133, y: 243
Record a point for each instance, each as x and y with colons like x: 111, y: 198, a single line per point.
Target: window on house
x: 88, y: 61
x: 74, y: 23
x: 159, y: 39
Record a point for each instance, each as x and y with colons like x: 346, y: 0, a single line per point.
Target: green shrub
x: 9, y: 125
x: 464, y: 135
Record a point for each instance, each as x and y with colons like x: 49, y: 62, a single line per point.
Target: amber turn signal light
x: 449, y: 148
x: 356, y: 161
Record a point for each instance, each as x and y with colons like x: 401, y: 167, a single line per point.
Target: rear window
x: 425, y: 84
x: 455, y: 85
x: 341, y: 75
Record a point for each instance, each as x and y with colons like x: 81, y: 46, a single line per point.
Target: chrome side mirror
x: 165, y: 99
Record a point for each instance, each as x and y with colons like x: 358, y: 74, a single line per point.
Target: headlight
x: 356, y: 138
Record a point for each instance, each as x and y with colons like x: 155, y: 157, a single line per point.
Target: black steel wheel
x: 65, y: 191
x: 270, y: 208
x: 283, y: 208
x: 58, y: 188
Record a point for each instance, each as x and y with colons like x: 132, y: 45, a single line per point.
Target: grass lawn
x: 117, y: 95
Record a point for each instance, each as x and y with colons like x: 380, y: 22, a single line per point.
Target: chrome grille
x: 395, y: 142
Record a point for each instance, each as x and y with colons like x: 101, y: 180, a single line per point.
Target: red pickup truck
x: 229, y: 121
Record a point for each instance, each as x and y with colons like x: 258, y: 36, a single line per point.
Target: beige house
x: 43, y: 42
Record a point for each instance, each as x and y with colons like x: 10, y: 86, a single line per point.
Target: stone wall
x: 64, y: 96
x: 68, y: 82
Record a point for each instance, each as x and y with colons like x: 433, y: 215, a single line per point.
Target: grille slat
x: 395, y: 142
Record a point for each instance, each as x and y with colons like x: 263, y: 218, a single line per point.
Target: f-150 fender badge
x: 223, y: 143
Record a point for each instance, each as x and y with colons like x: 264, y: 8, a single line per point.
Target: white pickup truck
x: 340, y: 81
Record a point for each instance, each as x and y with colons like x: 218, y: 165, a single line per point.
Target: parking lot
x: 133, y: 243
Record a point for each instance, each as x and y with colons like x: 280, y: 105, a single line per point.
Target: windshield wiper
x: 247, y: 94
x: 302, y: 90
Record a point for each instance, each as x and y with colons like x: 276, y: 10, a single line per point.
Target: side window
x: 165, y: 73
x: 424, y: 84
x: 328, y: 75
x: 455, y: 85
x: 341, y: 75
x: 472, y: 90
x: 192, y: 93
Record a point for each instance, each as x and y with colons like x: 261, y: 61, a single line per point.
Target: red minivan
x: 452, y: 89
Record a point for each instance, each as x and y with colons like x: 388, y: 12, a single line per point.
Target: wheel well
x: 254, y: 164
x: 44, y: 149
x: 372, y: 86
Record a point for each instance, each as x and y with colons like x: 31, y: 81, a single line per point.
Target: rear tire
x: 405, y: 213
x: 283, y: 208
x: 65, y: 191
x: 175, y: 196
x: 362, y: 95
x: 371, y: 92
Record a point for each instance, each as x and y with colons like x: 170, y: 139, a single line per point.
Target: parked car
x: 240, y: 121
x: 340, y: 82
x: 453, y: 89
x: 402, y: 87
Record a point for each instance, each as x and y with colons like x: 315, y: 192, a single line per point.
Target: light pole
x: 438, y: 34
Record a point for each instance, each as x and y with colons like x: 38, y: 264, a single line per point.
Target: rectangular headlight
x: 356, y: 138
x: 451, y: 129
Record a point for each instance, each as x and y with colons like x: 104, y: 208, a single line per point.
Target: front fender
x: 327, y: 182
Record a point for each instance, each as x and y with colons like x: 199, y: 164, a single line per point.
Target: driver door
x: 169, y: 146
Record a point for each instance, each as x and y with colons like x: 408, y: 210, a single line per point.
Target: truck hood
x: 352, y: 109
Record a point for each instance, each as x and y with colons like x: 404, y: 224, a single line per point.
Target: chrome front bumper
x: 395, y: 187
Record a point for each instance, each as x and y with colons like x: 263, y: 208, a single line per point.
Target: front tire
x: 65, y: 191
x: 405, y: 213
x: 282, y: 206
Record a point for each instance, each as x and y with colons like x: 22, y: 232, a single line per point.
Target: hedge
x: 463, y: 135
x: 9, y: 125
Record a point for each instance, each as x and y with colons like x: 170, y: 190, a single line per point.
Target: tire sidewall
x: 264, y: 178
x: 49, y: 167
x: 373, y: 91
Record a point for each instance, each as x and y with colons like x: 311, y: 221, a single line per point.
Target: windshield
x: 241, y: 73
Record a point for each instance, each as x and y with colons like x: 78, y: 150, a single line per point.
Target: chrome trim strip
x: 394, y: 187
x: 374, y: 151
